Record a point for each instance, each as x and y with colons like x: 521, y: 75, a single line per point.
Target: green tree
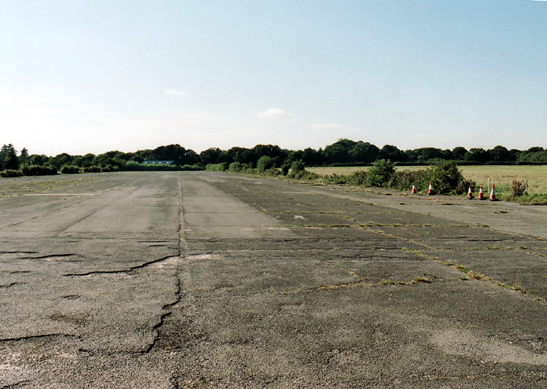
x: 264, y: 163
x: 477, y: 154
x: 393, y: 154
x: 499, y: 154
x: 11, y: 162
x: 8, y: 158
x: 380, y: 174
x: 364, y: 152
x: 458, y: 153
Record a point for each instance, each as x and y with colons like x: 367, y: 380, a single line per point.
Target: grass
x: 502, y: 176
x: 42, y: 184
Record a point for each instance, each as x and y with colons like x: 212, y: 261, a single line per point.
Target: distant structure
x: 156, y: 163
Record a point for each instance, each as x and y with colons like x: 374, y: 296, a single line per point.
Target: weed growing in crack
x: 418, y: 280
x: 462, y: 268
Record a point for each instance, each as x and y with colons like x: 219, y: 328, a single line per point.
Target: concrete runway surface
x: 198, y: 280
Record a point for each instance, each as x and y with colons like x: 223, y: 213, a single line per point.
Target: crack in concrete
x: 16, y: 384
x: 18, y: 252
x: 12, y: 284
x: 50, y: 256
x: 126, y: 271
x: 167, y: 312
x: 182, y: 248
x: 33, y: 337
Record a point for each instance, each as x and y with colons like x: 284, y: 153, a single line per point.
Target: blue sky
x: 98, y: 75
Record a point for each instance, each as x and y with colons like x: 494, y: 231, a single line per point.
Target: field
x: 501, y: 176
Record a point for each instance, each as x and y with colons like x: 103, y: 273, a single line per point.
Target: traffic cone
x: 481, y: 196
x: 430, y: 191
x: 413, y: 189
x: 469, y: 193
x: 493, y: 194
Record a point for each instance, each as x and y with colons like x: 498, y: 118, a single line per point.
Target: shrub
x: 132, y: 166
x: 357, y: 178
x: 404, y: 179
x: 303, y: 175
x: 285, y: 169
x: 272, y: 172
x: 9, y: 173
x: 192, y: 168
x: 264, y: 163
x: 216, y: 167
x: 446, y: 178
x: 518, y: 188
x: 235, y: 167
x: 380, y: 174
x: 297, y: 166
x: 35, y: 170
x: 70, y: 169
x: 92, y: 169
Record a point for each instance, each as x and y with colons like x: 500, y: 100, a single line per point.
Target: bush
x: 285, y: 169
x: 380, y: 174
x: 446, y: 178
x: 297, y: 166
x: 303, y: 175
x: 92, y: 169
x: 70, y: 169
x: 404, y: 180
x: 357, y: 178
x: 132, y: 166
x: 518, y: 188
x: 190, y: 168
x: 272, y: 172
x: 235, y: 167
x: 35, y: 170
x: 10, y: 173
x: 216, y: 167
x: 264, y: 163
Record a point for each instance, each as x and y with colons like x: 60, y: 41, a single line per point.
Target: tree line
x: 342, y: 152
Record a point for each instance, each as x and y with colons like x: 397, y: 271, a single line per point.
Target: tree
x: 392, y: 153
x: 211, y: 155
x: 11, y: 162
x: 499, y: 154
x: 23, y: 158
x: 8, y: 157
x: 477, y: 155
x: 311, y: 157
x: 336, y: 153
x: 264, y: 163
x: 458, y: 153
x: 364, y: 152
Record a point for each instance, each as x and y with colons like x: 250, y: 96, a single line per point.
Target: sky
x: 90, y: 76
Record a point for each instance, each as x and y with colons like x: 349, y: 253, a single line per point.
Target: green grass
x: 502, y: 176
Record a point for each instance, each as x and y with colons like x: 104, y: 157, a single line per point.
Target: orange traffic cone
x: 413, y: 189
x: 469, y: 193
x: 481, y: 196
x: 430, y: 191
x: 493, y: 194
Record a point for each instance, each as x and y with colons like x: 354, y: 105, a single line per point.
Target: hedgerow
x: 70, y: 169
x: 10, y: 173
x: 36, y: 170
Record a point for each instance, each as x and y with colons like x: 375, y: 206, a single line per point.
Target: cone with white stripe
x: 481, y: 195
x: 469, y: 193
x: 493, y: 194
x: 413, y: 189
x: 430, y: 190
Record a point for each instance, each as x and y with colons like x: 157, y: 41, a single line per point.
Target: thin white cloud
x: 274, y: 113
x: 175, y: 92
x: 26, y: 100
x: 328, y: 126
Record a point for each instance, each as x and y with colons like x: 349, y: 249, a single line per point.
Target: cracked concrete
x: 173, y: 280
